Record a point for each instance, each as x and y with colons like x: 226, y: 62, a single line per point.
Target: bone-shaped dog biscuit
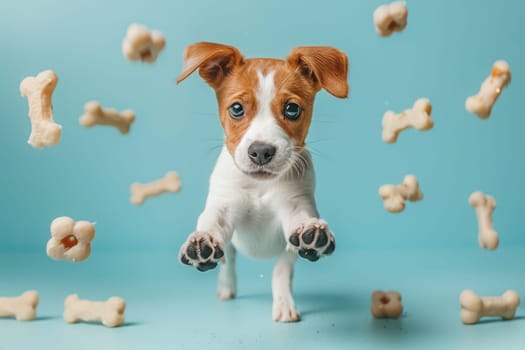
x: 23, y: 307
x: 96, y: 115
x: 394, y: 196
x: 473, y: 308
x: 169, y: 183
x: 142, y: 44
x: 482, y: 103
x: 390, y: 18
x: 484, y: 206
x: 418, y: 118
x: 38, y: 91
x: 70, y: 239
x: 110, y: 312
x: 386, y: 304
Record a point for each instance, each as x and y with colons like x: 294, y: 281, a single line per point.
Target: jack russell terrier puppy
x: 261, y: 196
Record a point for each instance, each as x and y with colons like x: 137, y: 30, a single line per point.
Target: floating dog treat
x: 394, y: 196
x: 418, y: 117
x: 38, y: 91
x: 484, y: 206
x: 142, y: 44
x: 110, y: 312
x: 481, y: 104
x: 386, y: 304
x: 169, y: 183
x: 70, y: 240
x: 473, y: 308
x: 96, y: 115
x: 390, y: 18
x: 23, y: 307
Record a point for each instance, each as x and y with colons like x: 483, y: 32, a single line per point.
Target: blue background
x: 429, y: 252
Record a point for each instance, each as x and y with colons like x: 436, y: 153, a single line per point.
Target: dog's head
x: 265, y: 105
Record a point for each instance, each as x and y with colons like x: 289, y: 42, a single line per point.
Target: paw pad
x: 201, y: 251
x: 313, y: 241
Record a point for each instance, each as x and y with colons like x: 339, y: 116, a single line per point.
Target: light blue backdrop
x: 444, y: 54
x: 429, y: 252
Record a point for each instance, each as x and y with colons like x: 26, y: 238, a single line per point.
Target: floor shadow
x: 310, y: 303
x: 47, y: 318
x: 387, y: 325
x: 496, y: 320
x: 99, y: 324
x: 36, y: 319
x: 130, y: 324
x: 325, y: 302
x: 257, y: 296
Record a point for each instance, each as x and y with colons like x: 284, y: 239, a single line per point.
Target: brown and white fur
x: 261, y: 196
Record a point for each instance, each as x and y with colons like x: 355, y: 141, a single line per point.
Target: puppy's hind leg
x: 227, y: 288
x: 283, y: 303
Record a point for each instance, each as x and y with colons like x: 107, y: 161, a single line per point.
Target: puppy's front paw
x: 313, y: 240
x: 202, y: 251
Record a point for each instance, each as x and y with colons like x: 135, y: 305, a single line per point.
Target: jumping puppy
x: 261, y: 196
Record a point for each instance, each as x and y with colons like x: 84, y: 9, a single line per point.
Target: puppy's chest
x: 258, y: 231
x: 258, y: 210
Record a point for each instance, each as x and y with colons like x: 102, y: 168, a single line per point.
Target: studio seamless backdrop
x: 444, y: 54
x: 429, y: 252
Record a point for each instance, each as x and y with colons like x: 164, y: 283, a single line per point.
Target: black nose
x: 261, y: 153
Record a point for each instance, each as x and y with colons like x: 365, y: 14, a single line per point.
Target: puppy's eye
x: 236, y: 111
x: 292, y: 111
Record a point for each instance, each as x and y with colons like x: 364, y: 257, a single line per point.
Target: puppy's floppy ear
x: 214, y: 61
x: 325, y: 65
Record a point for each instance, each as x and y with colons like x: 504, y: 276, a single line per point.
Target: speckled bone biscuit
x: 70, y: 239
x: 482, y: 103
x: 386, y: 304
x: 473, y: 308
x: 110, y: 312
x: 169, y: 183
x: 38, y: 91
x: 394, y: 196
x: 23, y: 307
x: 418, y: 118
x: 390, y: 18
x: 142, y: 44
x: 484, y: 205
x: 94, y: 114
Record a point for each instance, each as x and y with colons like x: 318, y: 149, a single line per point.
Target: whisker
x: 213, y: 148
x: 295, y: 165
x: 316, y: 153
x: 300, y: 166
x: 304, y: 162
x: 290, y: 164
x: 318, y: 140
x: 310, y: 149
x: 300, y: 163
x: 305, y: 148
